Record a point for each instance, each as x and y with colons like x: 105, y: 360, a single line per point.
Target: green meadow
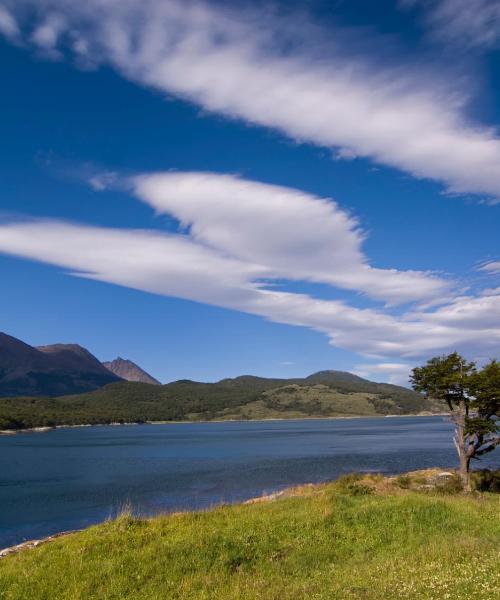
x: 361, y: 537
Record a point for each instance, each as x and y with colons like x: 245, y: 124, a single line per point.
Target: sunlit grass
x: 354, y: 539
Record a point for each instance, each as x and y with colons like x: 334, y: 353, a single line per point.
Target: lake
x: 71, y: 478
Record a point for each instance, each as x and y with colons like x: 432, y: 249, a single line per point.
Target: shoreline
x: 45, y: 429
x: 285, y: 492
x: 28, y: 544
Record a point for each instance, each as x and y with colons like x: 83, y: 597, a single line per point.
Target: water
x: 71, y: 478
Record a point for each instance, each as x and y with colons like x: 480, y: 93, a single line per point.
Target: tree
x: 473, y: 400
x: 483, y: 424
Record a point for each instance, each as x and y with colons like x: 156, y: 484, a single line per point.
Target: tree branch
x: 492, y: 444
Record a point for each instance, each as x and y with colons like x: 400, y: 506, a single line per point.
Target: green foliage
x: 352, y: 485
x: 450, y: 485
x: 241, y: 398
x: 359, y: 489
x: 484, y: 386
x: 444, y: 378
x: 484, y: 389
x: 473, y: 399
x: 319, y: 544
x: 485, y: 480
x: 403, y: 481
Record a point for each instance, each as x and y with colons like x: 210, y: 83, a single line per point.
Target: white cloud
x: 296, y: 235
x: 224, y: 259
x: 462, y: 23
x: 279, y: 73
x: 491, y: 267
x: 8, y: 25
x: 46, y: 34
x: 396, y: 373
x: 102, y: 181
x: 159, y: 263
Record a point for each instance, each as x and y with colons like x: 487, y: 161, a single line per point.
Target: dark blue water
x: 70, y: 478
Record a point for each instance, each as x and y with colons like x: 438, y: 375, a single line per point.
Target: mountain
x: 338, y: 378
x: 73, y: 356
x: 55, y: 370
x: 325, y: 394
x: 128, y: 370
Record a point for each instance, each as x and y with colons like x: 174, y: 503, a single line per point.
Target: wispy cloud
x: 396, y: 373
x: 279, y: 73
x: 490, y: 267
x: 8, y: 24
x: 237, y: 237
x: 465, y: 24
x: 100, y: 181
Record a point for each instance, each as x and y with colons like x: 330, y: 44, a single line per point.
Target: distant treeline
x: 126, y: 402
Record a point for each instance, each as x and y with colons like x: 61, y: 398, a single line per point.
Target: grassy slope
x: 301, y: 401
x: 240, y: 398
x: 323, y: 542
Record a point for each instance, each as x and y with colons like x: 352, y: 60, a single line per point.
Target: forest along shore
x: 45, y: 429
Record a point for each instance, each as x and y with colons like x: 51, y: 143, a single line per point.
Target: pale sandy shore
x: 34, y: 543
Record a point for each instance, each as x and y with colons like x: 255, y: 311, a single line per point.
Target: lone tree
x: 473, y: 400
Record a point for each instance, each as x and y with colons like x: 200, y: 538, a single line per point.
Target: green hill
x: 325, y: 394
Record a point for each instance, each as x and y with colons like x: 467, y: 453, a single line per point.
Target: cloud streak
x: 231, y: 247
x: 467, y: 24
x: 8, y: 25
x: 492, y: 267
x: 296, y: 235
x: 395, y: 373
x: 275, y: 72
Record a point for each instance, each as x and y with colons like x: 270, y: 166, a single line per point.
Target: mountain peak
x: 126, y: 369
x: 52, y: 370
x: 73, y: 356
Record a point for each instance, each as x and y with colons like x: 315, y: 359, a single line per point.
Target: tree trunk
x: 464, y: 471
x: 460, y: 444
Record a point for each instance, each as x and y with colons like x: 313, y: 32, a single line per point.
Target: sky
x: 216, y: 188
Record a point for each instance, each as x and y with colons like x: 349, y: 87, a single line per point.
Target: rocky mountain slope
x: 54, y: 370
x: 128, y: 370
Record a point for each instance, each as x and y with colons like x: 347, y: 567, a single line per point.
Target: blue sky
x: 214, y: 188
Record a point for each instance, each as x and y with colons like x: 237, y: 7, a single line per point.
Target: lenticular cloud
x: 295, y: 235
x: 237, y: 237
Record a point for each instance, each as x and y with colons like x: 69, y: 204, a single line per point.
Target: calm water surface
x: 70, y: 478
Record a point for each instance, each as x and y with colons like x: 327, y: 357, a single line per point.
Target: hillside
x: 362, y: 537
x: 54, y: 370
x: 245, y: 397
x: 128, y: 370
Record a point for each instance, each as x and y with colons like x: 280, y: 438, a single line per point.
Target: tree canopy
x: 473, y: 399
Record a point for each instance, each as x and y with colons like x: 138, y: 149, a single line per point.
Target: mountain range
x: 58, y: 369
x: 64, y: 384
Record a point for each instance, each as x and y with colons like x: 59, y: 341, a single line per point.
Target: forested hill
x: 324, y: 394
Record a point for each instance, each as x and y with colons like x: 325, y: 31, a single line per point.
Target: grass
x: 295, y: 402
x: 361, y: 538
